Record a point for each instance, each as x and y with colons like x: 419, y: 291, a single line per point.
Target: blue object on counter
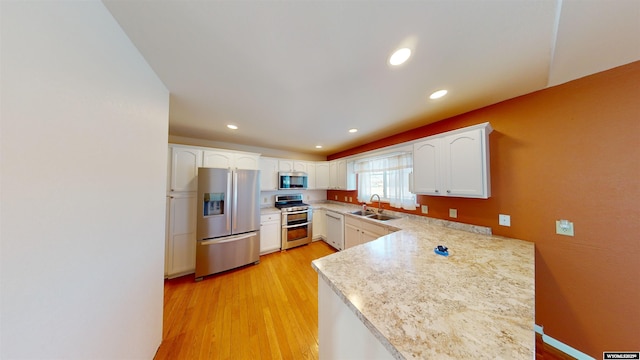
x: 441, y: 250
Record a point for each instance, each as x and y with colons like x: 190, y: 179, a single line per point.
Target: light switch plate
x: 504, y: 220
x: 453, y: 213
x: 564, y: 227
x: 424, y: 209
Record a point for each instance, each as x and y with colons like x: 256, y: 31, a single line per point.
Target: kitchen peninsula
x: 478, y: 302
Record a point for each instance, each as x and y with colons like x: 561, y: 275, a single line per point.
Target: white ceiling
x: 294, y: 74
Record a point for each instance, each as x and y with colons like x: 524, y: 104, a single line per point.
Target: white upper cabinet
x: 426, y: 167
x: 322, y: 175
x: 268, y: 173
x: 185, y: 162
x: 231, y: 159
x: 247, y: 161
x: 454, y: 163
x: 311, y: 172
x: 341, y: 175
x: 285, y: 165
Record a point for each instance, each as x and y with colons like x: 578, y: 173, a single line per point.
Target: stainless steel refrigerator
x: 228, y: 228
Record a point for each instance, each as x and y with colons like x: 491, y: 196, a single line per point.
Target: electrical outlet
x: 424, y: 209
x: 345, y: 199
x: 564, y: 227
x: 453, y: 213
x: 264, y: 200
x: 504, y: 220
x: 336, y: 197
x: 350, y: 199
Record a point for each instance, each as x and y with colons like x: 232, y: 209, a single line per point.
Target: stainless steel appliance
x: 292, y: 180
x: 228, y: 228
x: 296, y: 220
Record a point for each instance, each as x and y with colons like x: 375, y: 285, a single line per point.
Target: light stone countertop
x: 269, y: 210
x: 476, y: 303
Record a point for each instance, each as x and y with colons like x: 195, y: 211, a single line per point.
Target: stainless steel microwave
x: 292, y: 180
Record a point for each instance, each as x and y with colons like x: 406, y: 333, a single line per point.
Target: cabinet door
x: 322, y: 175
x: 184, y: 168
x: 426, y: 172
x: 367, y: 236
x: 333, y: 175
x: 182, y: 234
x: 246, y: 161
x: 351, y: 235
x: 300, y: 166
x: 268, y: 174
x: 285, y: 165
x: 311, y: 173
x: 269, y: 233
x: 218, y: 159
x: 463, y: 164
x: 318, y: 227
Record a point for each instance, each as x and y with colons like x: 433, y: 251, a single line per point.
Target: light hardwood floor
x: 264, y: 311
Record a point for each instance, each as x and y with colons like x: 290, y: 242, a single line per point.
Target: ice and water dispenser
x: 213, y: 204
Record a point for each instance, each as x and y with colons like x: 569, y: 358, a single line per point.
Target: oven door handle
x: 296, y: 225
x: 295, y: 212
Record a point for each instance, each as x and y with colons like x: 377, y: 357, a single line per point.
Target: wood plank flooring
x: 264, y: 311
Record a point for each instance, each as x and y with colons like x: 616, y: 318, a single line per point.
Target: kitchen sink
x: 381, y: 217
x: 372, y: 215
x: 360, y: 213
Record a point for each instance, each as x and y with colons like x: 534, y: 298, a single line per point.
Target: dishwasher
x: 335, y: 229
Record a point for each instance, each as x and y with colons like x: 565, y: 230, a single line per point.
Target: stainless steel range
x: 296, y: 220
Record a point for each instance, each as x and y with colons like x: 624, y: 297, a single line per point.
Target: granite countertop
x: 476, y: 303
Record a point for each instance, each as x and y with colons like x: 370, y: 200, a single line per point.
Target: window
x: 388, y: 176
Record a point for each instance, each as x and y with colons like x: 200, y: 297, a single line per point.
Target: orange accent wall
x: 567, y: 152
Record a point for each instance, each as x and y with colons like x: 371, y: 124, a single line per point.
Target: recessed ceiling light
x: 232, y: 127
x: 438, y: 94
x: 400, y: 56
x: 318, y: 146
x: 353, y: 130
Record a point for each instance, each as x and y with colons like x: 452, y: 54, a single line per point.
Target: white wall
x: 83, y: 138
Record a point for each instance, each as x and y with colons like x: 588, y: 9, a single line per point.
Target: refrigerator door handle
x: 227, y: 239
x: 228, y: 203
x: 235, y: 201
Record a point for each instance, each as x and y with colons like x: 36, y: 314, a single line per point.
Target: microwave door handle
x: 228, y: 202
x: 235, y: 200
x: 296, y: 225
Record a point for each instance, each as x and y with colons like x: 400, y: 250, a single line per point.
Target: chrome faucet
x: 371, y: 200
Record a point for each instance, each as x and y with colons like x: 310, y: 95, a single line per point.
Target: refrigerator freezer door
x: 217, y: 255
x: 246, y: 214
x: 214, y: 203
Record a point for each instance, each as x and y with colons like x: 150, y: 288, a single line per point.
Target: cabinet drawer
x: 269, y: 217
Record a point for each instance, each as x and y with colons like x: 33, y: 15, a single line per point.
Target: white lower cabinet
x: 319, y: 227
x: 181, y: 238
x: 360, y: 231
x: 270, y: 233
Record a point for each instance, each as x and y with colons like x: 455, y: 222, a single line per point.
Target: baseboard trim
x: 560, y: 345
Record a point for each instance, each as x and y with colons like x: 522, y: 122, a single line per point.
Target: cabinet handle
x: 437, y: 190
x: 448, y: 191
